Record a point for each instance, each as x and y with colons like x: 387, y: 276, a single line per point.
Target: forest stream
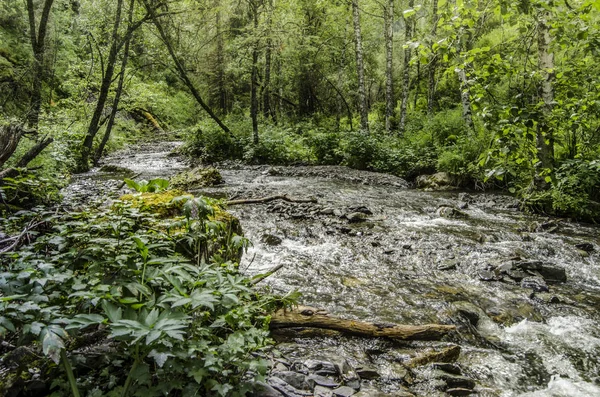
x: 373, y: 249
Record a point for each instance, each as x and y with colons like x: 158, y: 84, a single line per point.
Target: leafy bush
x: 359, y: 150
x: 577, y: 184
x: 325, y: 146
x: 110, y: 298
x: 208, y: 143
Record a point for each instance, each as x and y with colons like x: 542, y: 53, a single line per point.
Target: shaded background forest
x: 498, y: 94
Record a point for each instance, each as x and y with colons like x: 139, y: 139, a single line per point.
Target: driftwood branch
x: 272, y: 198
x: 26, y: 159
x: 257, y: 279
x: 305, y: 316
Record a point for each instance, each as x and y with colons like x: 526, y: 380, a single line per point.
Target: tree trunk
x: 433, y: 62
x: 360, y: 69
x: 115, y: 107
x: 10, y: 136
x: 38, y: 45
x: 465, y: 98
x: 389, y: 52
x: 304, y: 316
x: 253, y: 90
x: 180, y: 69
x: 222, y: 90
x: 266, y: 94
x: 408, y: 31
x: 545, y: 136
x: 103, y: 95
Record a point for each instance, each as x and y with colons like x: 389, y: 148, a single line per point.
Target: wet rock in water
x: 451, y: 213
x: 270, y: 239
x: 367, y: 373
x: 115, y: 169
x: 546, y: 298
x: 197, y: 178
x: 468, y: 310
x: 295, y: 379
x: 279, y: 367
x: 487, y: 275
x: 327, y: 211
x: 447, y: 355
x: 448, y: 265
x: 344, y: 391
x: 549, y: 272
x: 354, y: 383
x: 321, y: 391
x: 537, y: 284
x: 376, y: 393
x: 438, y: 181
x: 321, y: 380
x: 447, y: 367
x: 286, y: 389
x: 454, y: 381
x: 360, y: 208
x: 462, y: 205
x: 459, y: 391
x: 586, y: 247
x: 321, y: 367
x: 356, y: 217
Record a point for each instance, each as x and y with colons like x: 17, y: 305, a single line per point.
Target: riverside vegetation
x: 500, y: 95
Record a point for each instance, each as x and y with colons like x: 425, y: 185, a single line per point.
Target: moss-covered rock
x: 197, y: 178
x: 160, y: 203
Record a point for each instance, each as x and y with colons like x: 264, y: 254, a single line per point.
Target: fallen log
x: 269, y: 199
x: 306, y: 316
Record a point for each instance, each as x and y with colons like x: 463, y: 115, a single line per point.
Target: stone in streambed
x: 537, y: 284
x: 286, y: 389
x: 271, y: 240
x: 549, y: 272
x: 367, y: 373
x: 454, y: 381
x: 197, y: 178
x: 264, y: 390
x: 321, y: 367
x: 321, y: 391
x: 468, y: 310
x: 295, y: 379
x: 459, y: 391
x: 356, y: 217
x: 322, y: 381
x: 344, y: 391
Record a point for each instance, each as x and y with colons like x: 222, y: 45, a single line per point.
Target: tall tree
x: 389, y: 65
x: 255, y: 12
x: 268, y: 111
x: 38, y: 44
x: 360, y: 69
x: 107, y: 79
x: 118, y: 92
x: 434, y: 59
x: 545, y: 134
x: 408, y: 31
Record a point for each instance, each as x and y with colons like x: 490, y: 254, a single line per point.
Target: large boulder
x: 197, y: 178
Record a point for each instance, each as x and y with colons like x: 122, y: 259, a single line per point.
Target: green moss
x: 197, y: 178
x: 157, y: 203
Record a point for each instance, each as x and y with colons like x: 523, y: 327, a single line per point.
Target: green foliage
x: 132, y: 313
x: 29, y: 190
x: 207, y: 143
x: 151, y: 186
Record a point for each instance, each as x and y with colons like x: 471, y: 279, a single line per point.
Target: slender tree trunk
x: 341, y: 102
x: 389, y: 65
x: 545, y: 136
x: 38, y: 38
x: 222, y: 90
x: 408, y: 31
x: 266, y: 94
x: 115, y: 107
x: 360, y: 69
x: 465, y: 98
x: 181, y: 70
x: 254, y: 93
x: 433, y: 63
x: 103, y: 95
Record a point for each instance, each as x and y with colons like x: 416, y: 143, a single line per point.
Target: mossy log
x: 306, y: 316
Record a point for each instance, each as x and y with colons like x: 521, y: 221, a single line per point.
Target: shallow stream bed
x: 372, y: 249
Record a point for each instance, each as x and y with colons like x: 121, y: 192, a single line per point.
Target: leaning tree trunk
x: 10, y: 135
x: 107, y: 79
x: 360, y: 69
x: 389, y: 52
x: 408, y: 31
x: 545, y: 136
x: 115, y: 107
x: 38, y: 45
x: 433, y: 62
x: 183, y: 76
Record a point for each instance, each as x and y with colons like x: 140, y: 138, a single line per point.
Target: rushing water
x: 407, y: 263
